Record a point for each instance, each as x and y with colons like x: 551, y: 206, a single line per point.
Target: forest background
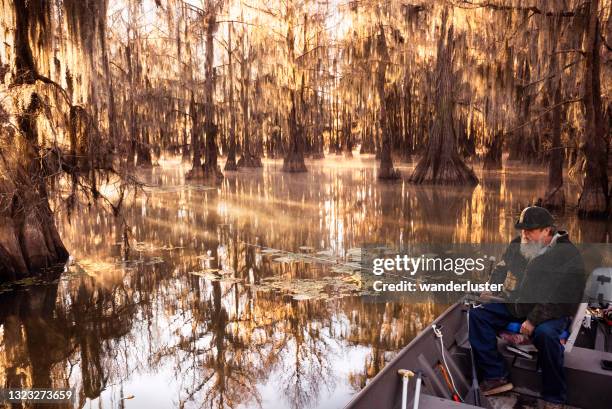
x: 91, y: 90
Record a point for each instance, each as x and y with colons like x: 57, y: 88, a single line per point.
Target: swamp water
x: 247, y: 295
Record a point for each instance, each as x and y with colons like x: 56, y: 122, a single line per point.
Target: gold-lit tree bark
x: 595, y: 143
x: 441, y: 163
x: 386, y: 170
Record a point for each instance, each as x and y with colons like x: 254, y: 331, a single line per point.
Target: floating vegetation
x: 349, y: 284
x: 29, y: 281
x: 199, y: 188
x: 230, y: 280
x: 285, y: 259
x: 302, y: 297
x: 322, y: 257
x: 353, y: 278
x: 171, y: 247
x: 271, y: 251
x: 177, y: 188
x: 208, y: 274
x: 272, y: 278
x: 311, y: 289
x: 25, y: 282
x: 95, y: 268
x: 226, y: 270
x: 354, y: 254
x: 344, y: 269
x: 142, y: 247
x: 205, y: 257
x: 154, y: 260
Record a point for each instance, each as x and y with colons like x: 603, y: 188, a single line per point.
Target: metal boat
x: 589, y: 385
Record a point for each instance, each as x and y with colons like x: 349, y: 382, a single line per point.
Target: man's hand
x: 527, y: 328
x: 488, y: 296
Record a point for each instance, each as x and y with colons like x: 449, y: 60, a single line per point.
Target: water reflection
x: 183, y: 318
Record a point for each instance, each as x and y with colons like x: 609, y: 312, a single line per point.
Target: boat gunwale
x: 427, y: 331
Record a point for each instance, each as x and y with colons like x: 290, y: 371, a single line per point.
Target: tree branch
x: 569, y: 101
x: 566, y: 66
x: 505, y: 7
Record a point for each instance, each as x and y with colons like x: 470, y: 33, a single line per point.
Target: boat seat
x: 512, y: 335
x: 599, y: 286
x: 516, y: 341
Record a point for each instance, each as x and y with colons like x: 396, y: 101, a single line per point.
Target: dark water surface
x: 203, y: 310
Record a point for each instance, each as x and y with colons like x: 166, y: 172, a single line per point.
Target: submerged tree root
x: 592, y: 203
x: 230, y: 165
x: 29, y: 244
x: 388, y: 173
x: 492, y: 163
x: 554, y: 199
x: 318, y: 155
x: 443, y: 171
x: 206, y: 174
x: 294, y: 163
x: 249, y: 161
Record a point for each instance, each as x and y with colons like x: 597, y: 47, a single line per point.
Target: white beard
x: 531, y: 250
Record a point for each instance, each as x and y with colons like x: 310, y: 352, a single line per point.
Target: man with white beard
x: 550, y: 275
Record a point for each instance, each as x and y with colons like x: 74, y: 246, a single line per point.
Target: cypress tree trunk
x: 441, y: 164
x: 318, y: 117
x: 29, y: 240
x: 196, y: 163
x: 554, y: 198
x: 248, y: 158
x: 294, y: 159
x: 143, y: 150
x: 185, y: 151
x: 593, y: 200
x: 493, y: 156
x: 518, y: 143
x: 348, y: 136
x: 230, y: 164
x: 386, y: 170
x: 212, y: 171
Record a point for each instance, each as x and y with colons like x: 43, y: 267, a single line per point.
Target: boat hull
x: 589, y: 386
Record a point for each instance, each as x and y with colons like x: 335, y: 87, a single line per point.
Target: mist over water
x: 245, y: 295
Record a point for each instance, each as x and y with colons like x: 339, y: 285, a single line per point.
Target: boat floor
x: 584, y: 349
x: 514, y: 400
